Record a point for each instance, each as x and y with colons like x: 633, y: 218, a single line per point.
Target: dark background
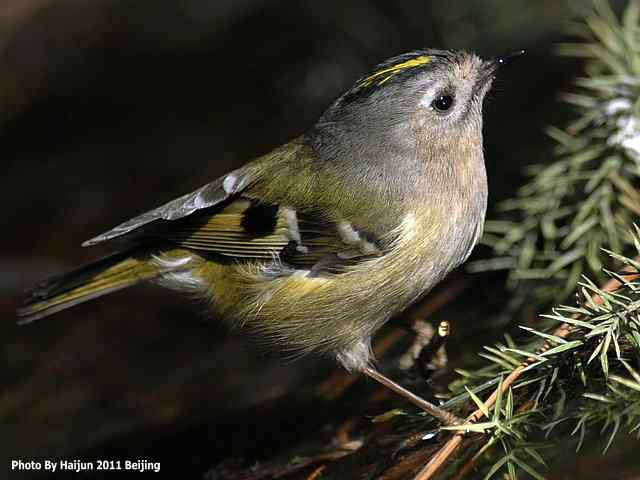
x: 111, y: 107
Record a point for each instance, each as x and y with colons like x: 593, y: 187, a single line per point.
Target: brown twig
x: 437, y: 461
x: 315, y: 475
x: 474, y: 459
x: 469, y: 465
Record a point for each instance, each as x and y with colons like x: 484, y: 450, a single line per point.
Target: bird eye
x: 443, y: 103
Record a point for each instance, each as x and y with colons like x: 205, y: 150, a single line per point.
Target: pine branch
x: 552, y: 232
x: 437, y: 461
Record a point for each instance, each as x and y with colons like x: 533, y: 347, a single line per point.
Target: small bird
x: 314, y: 246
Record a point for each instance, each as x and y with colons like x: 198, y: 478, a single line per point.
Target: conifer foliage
x: 587, y: 198
x: 570, y: 231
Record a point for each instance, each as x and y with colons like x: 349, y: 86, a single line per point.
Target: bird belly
x: 333, y: 314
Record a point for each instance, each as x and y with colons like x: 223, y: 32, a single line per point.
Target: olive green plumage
x: 318, y: 243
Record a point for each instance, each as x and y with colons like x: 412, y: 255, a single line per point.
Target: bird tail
x: 94, y: 280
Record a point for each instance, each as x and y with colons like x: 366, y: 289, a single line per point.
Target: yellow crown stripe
x: 393, y: 69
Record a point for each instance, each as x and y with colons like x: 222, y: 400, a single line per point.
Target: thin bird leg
x: 441, y: 414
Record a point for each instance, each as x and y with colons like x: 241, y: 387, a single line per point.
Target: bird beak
x: 492, y: 65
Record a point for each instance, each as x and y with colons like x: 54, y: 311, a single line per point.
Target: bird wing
x: 226, y: 218
x: 207, y: 196
x: 246, y: 228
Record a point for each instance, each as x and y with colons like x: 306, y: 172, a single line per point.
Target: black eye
x: 443, y: 103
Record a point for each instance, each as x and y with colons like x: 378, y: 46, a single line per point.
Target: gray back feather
x: 207, y: 196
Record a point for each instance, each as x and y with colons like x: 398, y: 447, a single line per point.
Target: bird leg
x: 433, y: 410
